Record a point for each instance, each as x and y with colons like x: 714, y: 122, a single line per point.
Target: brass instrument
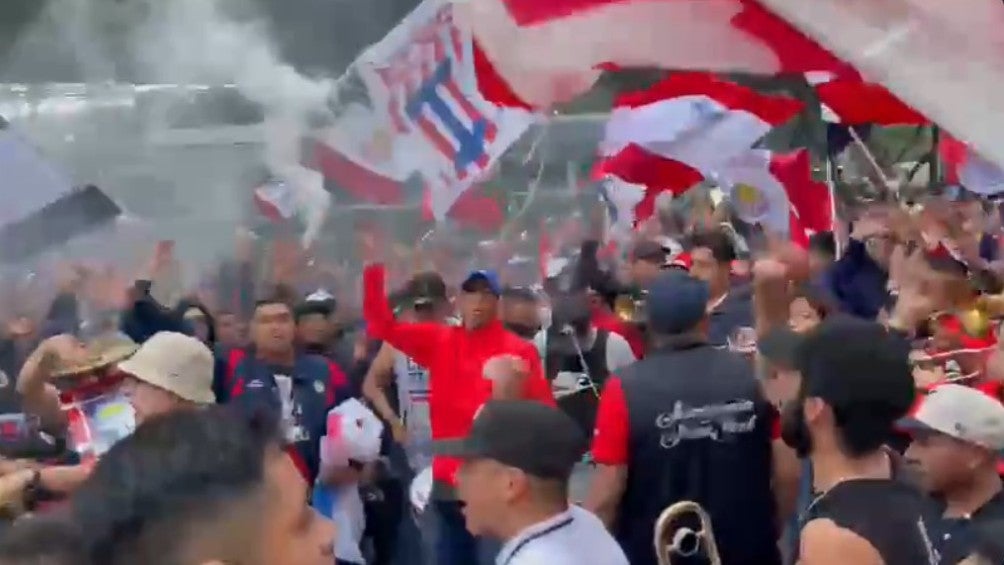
x: 631, y: 308
x: 977, y: 320
x: 673, y: 539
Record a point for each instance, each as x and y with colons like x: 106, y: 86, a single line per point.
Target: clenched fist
x: 507, y: 373
x: 505, y: 366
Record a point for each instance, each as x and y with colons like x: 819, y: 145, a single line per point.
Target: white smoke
x: 195, y: 42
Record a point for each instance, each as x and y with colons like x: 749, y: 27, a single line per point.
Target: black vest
x: 700, y: 431
x: 582, y: 405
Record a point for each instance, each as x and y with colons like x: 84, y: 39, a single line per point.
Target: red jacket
x: 455, y: 358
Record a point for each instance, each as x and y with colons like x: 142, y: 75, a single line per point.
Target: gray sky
x: 319, y: 37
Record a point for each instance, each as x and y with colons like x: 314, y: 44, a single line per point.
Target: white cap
x: 961, y: 412
x: 319, y: 295
x: 177, y: 363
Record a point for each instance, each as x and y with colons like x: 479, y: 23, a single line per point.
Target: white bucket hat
x: 177, y: 363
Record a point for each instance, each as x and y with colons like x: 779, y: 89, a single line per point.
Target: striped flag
x: 422, y: 80
x: 668, y: 137
x: 549, y: 51
x: 360, y: 157
x: 275, y: 201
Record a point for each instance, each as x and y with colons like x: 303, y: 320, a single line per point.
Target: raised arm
x: 418, y: 341
x: 39, y: 397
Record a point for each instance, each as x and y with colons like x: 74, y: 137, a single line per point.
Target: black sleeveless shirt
x: 583, y: 405
x: 894, y: 517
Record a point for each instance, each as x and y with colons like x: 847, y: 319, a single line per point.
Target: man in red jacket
x: 461, y: 379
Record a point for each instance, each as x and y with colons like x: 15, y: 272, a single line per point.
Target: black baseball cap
x: 425, y: 288
x: 538, y: 439
x: 676, y: 302
x: 650, y: 251
x: 309, y: 307
x: 854, y: 363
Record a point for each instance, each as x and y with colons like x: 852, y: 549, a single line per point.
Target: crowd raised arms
x: 761, y: 400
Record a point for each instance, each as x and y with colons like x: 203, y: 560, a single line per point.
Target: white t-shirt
x: 413, y: 403
x: 573, y: 537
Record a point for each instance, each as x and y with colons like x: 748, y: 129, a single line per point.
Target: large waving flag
x: 421, y: 80
x: 621, y: 200
x: 275, y: 201
x: 941, y: 58
x: 667, y: 138
x: 778, y: 193
x: 473, y: 210
x: 549, y: 51
x: 852, y: 101
x: 360, y: 155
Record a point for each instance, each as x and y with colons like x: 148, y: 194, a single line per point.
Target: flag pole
x: 831, y: 183
x: 934, y: 164
x: 887, y: 185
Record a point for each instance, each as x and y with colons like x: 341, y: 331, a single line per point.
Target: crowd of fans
x: 836, y: 404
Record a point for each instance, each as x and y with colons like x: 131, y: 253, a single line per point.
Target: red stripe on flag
x: 473, y: 210
x: 362, y: 183
x: 636, y: 165
x: 529, y: 12
x: 268, y: 209
x: 857, y: 102
x: 795, y: 51
x: 811, y: 200
x: 492, y: 86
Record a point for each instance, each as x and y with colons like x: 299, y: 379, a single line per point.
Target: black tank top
x: 892, y: 516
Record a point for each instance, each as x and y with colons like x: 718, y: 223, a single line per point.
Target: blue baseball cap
x: 676, y: 302
x: 489, y: 277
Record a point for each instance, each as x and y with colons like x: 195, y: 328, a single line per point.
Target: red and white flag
x: 777, y: 191
x: 621, y: 200
x: 667, y: 138
x: 422, y: 78
x: 550, y: 51
x: 473, y: 210
x: 360, y: 155
x: 275, y: 201
x: 941, y: 58
x: 852, y: 101
x: 965, y: 166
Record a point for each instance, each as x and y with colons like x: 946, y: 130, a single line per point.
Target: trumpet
x: 630, y: 308
x: 977, y: 320
x: 671, y: 539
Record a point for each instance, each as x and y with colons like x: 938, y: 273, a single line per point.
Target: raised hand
x: 507, y: 373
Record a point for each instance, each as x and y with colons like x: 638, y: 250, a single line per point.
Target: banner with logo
x: 421, y: 80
